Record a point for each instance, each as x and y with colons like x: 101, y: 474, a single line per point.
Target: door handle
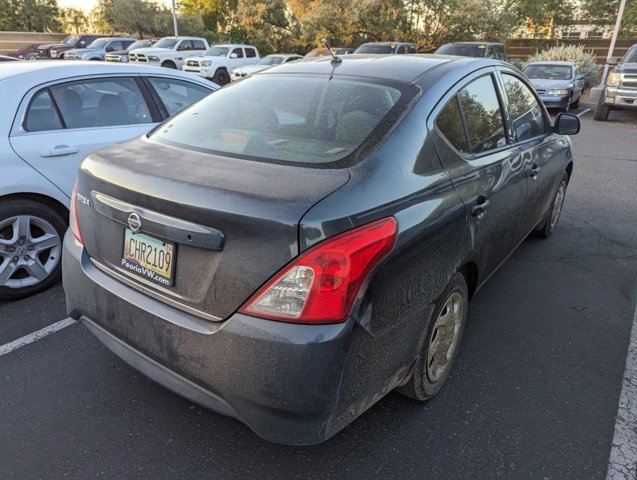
x: 534, y: 170
x: 479, y: 210
x: 59, y: 151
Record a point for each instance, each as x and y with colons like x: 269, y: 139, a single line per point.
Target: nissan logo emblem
x: 134, y: 222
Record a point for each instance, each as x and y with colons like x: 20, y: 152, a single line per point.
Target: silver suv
x: 620, y: 92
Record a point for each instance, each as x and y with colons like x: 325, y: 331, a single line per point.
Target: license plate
x: 149, y: 257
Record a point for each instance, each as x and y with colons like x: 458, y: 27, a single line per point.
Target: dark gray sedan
x: 299, y: 244
x: 559, y: 84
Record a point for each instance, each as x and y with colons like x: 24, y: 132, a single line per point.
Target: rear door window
x: 251, y: 53
x: 101, y: 103
x: 525, y: 111
x: 198, y: 45
x: 177, y: 94
x: 483, y: 115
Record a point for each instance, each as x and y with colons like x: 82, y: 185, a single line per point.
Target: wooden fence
x: 524, y: 47
x: 12, y: 41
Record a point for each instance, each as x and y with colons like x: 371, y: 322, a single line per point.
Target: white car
x: 266, y: 62
x: 169, y: 52
x: 219, y: 61
x: 53, y: 114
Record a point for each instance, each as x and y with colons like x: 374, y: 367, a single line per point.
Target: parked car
x: 169, y: 52
x: 5, y: 58
x: 266, y: 62
x: 559, y: 84
x: 474, y: 49
x: 121, y: 56
x: 99, y: 48
x: 320, y: 52
x: 385, y: 48
x: 620, y: 92
x: 53, y: 114
x: 58, y: 50
x: 24, y: 52
x: 219, y: 61
x: 345, y: 51
x: 290, y: 250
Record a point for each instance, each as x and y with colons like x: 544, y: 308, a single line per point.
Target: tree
x: 73, y: 20
x: 132, y: 16
x: 543, y: 15
x: 214, y: 13
x: 29, y: 15
x: 605, y: 12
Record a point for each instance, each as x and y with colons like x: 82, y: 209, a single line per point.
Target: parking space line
x: 582, y: 113
x: 37, y: 335
x: 623, y: 455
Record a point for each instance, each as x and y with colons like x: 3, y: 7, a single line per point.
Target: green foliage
x: 215, y: 14
x: 542, y: 16
x: 29, y: 15
x: 584, y: 60
x: 73, y: 20
x: 131, y: 16
x: 606, y: 12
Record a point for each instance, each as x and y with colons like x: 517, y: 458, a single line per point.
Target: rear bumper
x: 282, y: 380
x: 620, y: 98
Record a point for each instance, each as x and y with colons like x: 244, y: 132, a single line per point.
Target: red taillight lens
x: 320, y: 285
x: 74, y: 225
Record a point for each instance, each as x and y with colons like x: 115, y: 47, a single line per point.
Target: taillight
x: 74, y: 225
x: 321, y: 285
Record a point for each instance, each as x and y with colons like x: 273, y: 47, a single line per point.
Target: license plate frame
x: 150, y: 258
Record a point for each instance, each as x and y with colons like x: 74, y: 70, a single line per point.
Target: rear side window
x: 101, y: 103
x: 41, y: 115
x: 292, y: 119
x: 483, y: 116
x: 450, y: 124
x: 525, y: 111
x: 177, y: 94
x: 251, y: 53
x: 198, y: 45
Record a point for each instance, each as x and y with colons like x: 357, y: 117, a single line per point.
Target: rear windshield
x: 292, y: 119
x: 549, y: 72
x: 375, y: 49
x: 463, y: 50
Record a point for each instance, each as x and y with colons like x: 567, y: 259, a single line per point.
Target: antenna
x: 335, y: 60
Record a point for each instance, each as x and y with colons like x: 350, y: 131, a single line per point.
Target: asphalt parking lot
x: 534, y: 394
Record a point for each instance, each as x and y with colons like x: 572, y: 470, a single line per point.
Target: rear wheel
x: 221, y: 77
x: 30, y: 248
x: 442, y: 342
x: 169, y: 64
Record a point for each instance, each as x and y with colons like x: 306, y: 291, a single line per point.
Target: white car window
x: 101, y: 103
x: 177, y: 94
x: 42, y: 115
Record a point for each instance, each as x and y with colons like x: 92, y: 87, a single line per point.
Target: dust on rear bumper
x: 282, y: 380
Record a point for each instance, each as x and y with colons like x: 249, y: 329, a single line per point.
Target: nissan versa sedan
x: 292, y: 248
x: 559, y: 84
x: 54, y: 114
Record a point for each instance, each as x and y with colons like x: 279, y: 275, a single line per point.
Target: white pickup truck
x: 170, y: 52
x: 219, y: 61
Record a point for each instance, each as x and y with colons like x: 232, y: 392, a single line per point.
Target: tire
x: 601, y: 110
x: 575, y: 104
x: 221, y: 77
x: 169, y: 64
x: 547, y: 226
x: 31, y: 236
x: 428, y: 376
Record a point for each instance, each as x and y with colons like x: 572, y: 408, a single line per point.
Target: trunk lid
x: 233, y: 222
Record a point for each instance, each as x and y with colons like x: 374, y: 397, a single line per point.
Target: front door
x: 486, y: 171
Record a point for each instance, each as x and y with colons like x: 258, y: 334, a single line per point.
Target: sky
x: 87, y: 5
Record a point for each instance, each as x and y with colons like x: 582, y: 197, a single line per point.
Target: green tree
x: 29, y: 15
x: 131, y: 16
x: 543, y: 16
x: 73, y: 20
x: 604, y: 12
x: 215, y: 14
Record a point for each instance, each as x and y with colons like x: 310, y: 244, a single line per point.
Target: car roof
x: 473, y: 43
x: 236, y: 45
x: 283, y: 55
x: 403, y: 68
x: 551, y: 62
x: 52, y: 69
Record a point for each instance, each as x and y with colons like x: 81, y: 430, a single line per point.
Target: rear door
x: 60, y: 123
x: 487, y: 172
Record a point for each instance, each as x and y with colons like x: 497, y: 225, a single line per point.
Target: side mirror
x: 613, y: 61
x: 234, y: 55
x: 110, y: 49
x: 566, y: 124
x: 579, y: 77
x: 81, y: 44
